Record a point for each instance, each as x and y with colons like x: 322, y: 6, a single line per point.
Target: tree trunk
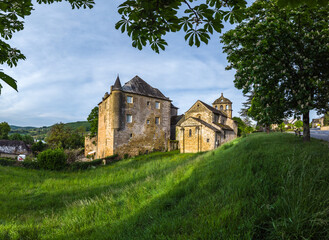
x: 267, y: 129
x: 306, y: 127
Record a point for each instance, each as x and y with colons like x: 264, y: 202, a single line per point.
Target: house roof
x: 139, y: 86
x: 181, y: 120
x: 214, y: 110
x: 117, y: 84
x: 173, y: 106
x: 223, y: 126
x: 222, y: 99
x: 13, y: 147
x: 206, y: 124
x: 175, y: 119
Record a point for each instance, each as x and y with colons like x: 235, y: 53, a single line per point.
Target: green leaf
x: 9, y: 80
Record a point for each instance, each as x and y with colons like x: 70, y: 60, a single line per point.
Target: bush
x: 52, y: 159
x: 7, y: 162
x: 85, y: 165
x: 30, y: 164
x: 112, y: 158
x: 72, y: 155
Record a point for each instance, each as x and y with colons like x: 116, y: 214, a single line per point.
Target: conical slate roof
x: 117, y: 84
x: 222, y: 100
x: 139, y: 86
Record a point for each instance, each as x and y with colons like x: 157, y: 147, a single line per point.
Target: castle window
x: 129, y: 99
x: 157, y: 105
x: 221, y: 107
x: 148, y: 121
x: 157, y: 120
x: 190, y: 133
x: 129, y: 118
x: 148, y: 103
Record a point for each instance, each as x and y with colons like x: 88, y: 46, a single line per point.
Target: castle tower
x: 116, y: 92
x: 224, y: 105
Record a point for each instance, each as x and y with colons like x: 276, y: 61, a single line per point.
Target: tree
x: 282, y: 56
x: 4, y: 130
x: 28, y: 139
x: 12, y: 13
x: 64, y: 137
x: 93, y: 120
x: 326, y: 119
x: 298, y: 124
x: 148, y: 21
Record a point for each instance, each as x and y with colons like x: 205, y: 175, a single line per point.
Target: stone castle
x: 136, y: 119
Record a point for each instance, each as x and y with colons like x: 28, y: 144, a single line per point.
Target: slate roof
x: 173, y: 106
x: 13, y: 147
x: 214, y: 110
x: 117, y: 84
x: 223, y: 126
x: 222, y: 99
x: 139, y: 86
x: 206, y: 124
x: 175, y: 119
x: 181, y: 120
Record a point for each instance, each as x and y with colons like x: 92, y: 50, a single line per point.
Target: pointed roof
x: 214, y: 110
x: 139, y: 86
x: 222, y: 99
x: 117, y: 84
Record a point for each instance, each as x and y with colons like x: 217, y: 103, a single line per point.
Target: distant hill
x: 41, y: 132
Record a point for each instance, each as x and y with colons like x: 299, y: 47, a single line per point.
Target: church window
x: 129, y: 99
x: 221, y: 107
x: 131, y: 135
x: 190, y: 133
x: 129, y: 118
x: 148, y: 121
x: 207, y: 139
x: 157, y: 120
x: 157, y: 105
x: 216, y: 107
x: 226, y: 107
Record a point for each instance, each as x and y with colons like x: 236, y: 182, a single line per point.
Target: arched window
x: 221, y: 107
x: 226, y: 107
x: 216, y: 107
x: 190, y: 133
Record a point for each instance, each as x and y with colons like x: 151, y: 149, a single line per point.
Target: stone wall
x: 143, y: 135
x: 201, y: 138
x: 90, y: 144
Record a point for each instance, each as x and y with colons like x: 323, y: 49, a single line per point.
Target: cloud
x: 73, y: 57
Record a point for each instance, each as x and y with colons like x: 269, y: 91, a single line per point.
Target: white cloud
x: 74, y: 56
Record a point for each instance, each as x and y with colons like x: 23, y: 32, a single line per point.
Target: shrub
x: 126, y: 155
x: 7, y: 162
x: 30, y: 164
x: 72, y: 155
x: 85, y: 165
x: 52, y: 159
x: 112, y: 158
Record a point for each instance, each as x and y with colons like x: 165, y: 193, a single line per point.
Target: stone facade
x: 13, y: 148
x: 204, y: 128
x: 133, y: 119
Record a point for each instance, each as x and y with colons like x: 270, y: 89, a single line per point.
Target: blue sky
x: 74, y: 56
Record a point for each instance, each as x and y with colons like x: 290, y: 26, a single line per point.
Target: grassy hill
x: 41, y: 132
x: 259, y: 187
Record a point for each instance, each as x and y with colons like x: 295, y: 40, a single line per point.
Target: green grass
x: 259, y: 187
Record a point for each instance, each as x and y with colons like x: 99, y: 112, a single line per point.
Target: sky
x: 74, y: 56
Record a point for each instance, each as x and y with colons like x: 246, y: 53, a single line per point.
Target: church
x: 136, y: 119
x: 204, y: 127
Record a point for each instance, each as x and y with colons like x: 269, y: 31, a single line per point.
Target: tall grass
x: 259, y: 187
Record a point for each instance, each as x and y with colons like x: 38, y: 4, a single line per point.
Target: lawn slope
x: 259, y: 187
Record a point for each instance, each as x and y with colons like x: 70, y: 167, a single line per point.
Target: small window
x: 223, y: 122
x: 190, y: 133
x: 148, y: 103
x: 131, y: 135
x: 207, y: 139
x: 216, y: 107
x: 221, y: 107
x: 129, y: 118
x: 148, y: 121
x: 224, y: 134
x: 157, y: 120
x: 226, y: 107
x: 129, y: 99
x: 157, y: 105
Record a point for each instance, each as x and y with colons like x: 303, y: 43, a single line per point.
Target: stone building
x: 133, y: 119
x: 204, y: 127
x: 13, y: 148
